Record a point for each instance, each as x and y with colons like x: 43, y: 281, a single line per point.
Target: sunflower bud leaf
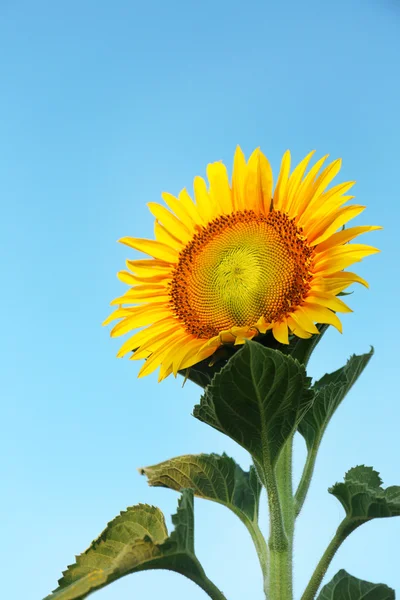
x: 344, y: 585
x: 136, y: 540
x: 257, y: 399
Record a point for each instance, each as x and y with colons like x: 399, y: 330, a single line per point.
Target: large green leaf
x: 363, y: 498
x: 213, y: 477
x: 329, y: 393
x: 136, y: 540
x: 346, y: 587
x: 257, y: 399
x: 217, y: 478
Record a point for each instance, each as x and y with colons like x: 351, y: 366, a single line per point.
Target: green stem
x: 344, y: 530
x: 261, y: 548
x: 278, y: 576
x: 257, y: 536
x: 285, y: 487
x: 305, y: 480
x: 281, y: 563
x: 207, y: 585
x: 277, y: 542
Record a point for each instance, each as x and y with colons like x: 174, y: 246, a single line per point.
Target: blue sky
x: 103, y: 106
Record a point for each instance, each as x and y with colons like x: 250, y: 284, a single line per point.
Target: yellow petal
x: 217, y: 340
x: 157, y: 340
x: 239, y: 179
x: 166, y: 374
x: 321, y: 183
x: 336, y: 191
x: 152, y: 248
x: 144, y: 335
x: 168, y: 359
x: 203, y: 202
x: 118, y: 314
x: 266, y: 182
x: 305, y: 188
x: 303, y: 320
x: 148, y: 267
x: 220, y: 191
x: 190, y: 207
x: 280, y: 331
x: 202, y: 354
x: 340, y: 257
x: 294, y: 183
x: 179, y: 209
x: 346, y: 276
x: 163, y: 236
x: 170, y: 222
x: 241, y: 339
x: 282, y: 183
x: 321, y: 230
x: 144, y: 315
x: 344, y: 236
x: 320, y: 314
x: 297, y: 330
x: 130, y: 321
x: 124, y: 326
x: 252, y: 188
x: 130, y: 279
x: 331, y: 200
x: 189, y: 348
x: 138, y: 355
x: 328, y: 300
x: 263, y: 325
x: 143, y: 299
x: 340, y: 263
x: 246, y: 332
x: 155, y: 290
x: 156, y: 358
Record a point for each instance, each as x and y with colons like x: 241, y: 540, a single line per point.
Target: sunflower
x: 239, y: 261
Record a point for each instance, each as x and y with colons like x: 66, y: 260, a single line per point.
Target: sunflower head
x: 242, y: 261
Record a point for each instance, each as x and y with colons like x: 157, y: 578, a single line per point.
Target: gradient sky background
x: 103, y: 105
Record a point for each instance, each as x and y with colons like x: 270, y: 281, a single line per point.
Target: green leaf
x: 216, y: 478
x: 363, y: 498
x: 136, y: 540
x: 213, y: 477
x: 257, y: 399
x: 346, y: 587
x: 329, y: 393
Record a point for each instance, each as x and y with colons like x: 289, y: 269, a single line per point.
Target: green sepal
x: 330, y: 390
x: 346, y: 587
x: 136, y: 540
x: 363, y: 497
x: 257, y: 399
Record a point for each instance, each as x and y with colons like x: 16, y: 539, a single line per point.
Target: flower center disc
x: 239, y: 268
